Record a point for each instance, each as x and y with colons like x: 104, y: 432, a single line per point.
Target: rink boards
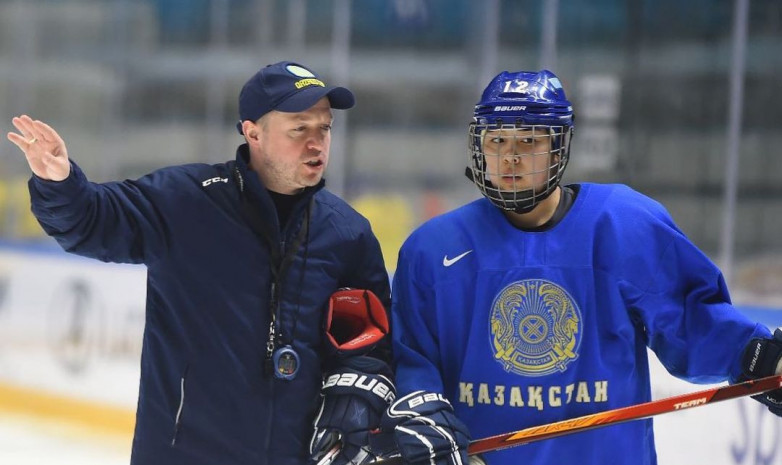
x: 70, y: 344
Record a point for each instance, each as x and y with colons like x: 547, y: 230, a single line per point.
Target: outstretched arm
x: 42, y: 146
x: 118, y: 221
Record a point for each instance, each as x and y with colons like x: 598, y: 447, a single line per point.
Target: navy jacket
x: 204, y: 396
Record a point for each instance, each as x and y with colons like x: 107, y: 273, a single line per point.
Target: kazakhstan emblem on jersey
x: 535, y: 328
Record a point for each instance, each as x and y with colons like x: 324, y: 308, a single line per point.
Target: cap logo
x: 299, y: 71
x: 309, y: 82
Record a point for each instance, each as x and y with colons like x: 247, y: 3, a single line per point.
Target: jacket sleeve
x: 414, y: 331
x: 687, y: 313
x: 112, y: 222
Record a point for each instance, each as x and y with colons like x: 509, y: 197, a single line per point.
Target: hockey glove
x: 426, y: 430
x: 355, y: 395
x: 763, y: 357
x: 356, y: 321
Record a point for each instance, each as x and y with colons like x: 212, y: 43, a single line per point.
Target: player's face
x: 294, y: 148
x: 518, y: 159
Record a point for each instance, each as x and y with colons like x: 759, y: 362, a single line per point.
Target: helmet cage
x: 521, y: 199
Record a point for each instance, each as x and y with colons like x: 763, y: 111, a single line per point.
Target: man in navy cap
x: 243, y: 259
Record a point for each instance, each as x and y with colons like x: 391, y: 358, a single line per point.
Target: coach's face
x: 290, y: 151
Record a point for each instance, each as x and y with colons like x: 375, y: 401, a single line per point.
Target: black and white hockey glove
x: 763, y: 357
x: 426, y: 430
x: 355, y: 396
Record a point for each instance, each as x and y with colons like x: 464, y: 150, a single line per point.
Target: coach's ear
x: 250, y: 130
x: 356, y: 322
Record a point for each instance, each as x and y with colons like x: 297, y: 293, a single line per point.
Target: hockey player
x: 537, y: 302
x: 243, y: 259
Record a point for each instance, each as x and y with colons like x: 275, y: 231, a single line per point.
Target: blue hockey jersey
x: 521, y: 328
x: 205, y: 397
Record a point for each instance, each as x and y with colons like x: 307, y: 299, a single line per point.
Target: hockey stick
x: 616, y: 416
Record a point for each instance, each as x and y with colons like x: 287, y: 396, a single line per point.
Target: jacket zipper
x: 270, y: 423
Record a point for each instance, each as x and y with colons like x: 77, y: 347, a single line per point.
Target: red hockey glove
x: 355, y: 323
x: 763, y: 357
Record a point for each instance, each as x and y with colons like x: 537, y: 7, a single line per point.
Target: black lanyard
x: 281, y: 258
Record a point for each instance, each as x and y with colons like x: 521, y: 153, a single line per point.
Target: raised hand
x: 44, y: 148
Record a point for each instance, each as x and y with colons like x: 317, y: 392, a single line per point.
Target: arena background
x: 680, y: 100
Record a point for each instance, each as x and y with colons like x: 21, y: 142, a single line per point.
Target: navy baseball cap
x: 288, y: 87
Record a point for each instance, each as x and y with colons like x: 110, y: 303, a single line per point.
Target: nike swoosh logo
x: 450, y: 261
